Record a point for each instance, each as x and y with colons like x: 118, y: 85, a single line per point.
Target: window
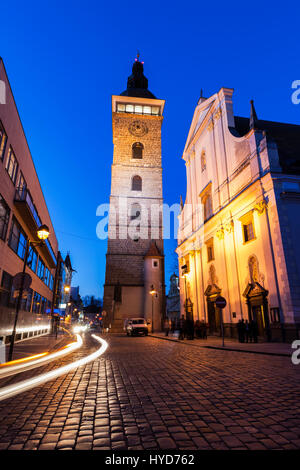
x: 4, y: 218
x: 248, y: 232
x: 32, y: 259
x: 210, y: 250
x: 5, y: 291
x: 40, y: 269
x: 203, y: 161
x: 207, y: 207
x: 136, y: 183
x: 137, y: 150
x: 12, y: 165
x: 137, y: 109
x: 51, y: 283
x: 155, y: 263
x: 248, y: 227
x: 47, y: 276
x: 21, y: 186
x: 3, y: 139
x: 275, y: 315
x: 36, y: 303
x: 17, y: 239
x: 28, y: 300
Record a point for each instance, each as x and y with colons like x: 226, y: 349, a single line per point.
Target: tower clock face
x: 138, y: 128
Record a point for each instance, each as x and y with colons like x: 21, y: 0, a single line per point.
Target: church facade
x: 135, y: 252
x: 238, y: 229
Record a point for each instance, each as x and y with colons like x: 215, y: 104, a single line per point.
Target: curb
x: 223, y: 349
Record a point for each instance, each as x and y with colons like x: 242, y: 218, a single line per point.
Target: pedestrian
x: 182, y: 327
x: 247, y: 330
x: 167, y: 326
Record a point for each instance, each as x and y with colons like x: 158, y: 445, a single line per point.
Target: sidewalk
x: 39, y: 344
x: 215, y: 342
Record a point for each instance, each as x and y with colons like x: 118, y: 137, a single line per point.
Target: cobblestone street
x: 146, y: 393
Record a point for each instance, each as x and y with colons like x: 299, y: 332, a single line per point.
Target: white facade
x: 237, y: 230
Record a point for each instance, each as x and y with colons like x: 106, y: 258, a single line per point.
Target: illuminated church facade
x: 238, y: 229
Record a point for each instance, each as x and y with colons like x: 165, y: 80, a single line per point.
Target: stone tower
x: 135, y: 259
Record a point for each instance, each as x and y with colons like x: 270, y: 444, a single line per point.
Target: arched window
x: 136, y: 184
x: 137, y: 150
x: 203, y: 161
x: 135, y: 212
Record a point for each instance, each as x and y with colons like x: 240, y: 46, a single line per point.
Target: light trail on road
x: 21, y: 365
x: 28, y: 384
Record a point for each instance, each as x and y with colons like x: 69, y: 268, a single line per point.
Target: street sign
x: 17, y: 281
x: 221, y: 302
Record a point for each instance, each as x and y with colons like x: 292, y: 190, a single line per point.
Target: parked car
x: 136, y: 326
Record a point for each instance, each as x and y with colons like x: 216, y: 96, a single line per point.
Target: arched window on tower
x: 136, y: 184
x: 137, y: 150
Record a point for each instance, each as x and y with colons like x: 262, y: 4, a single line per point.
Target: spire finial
x: 253, y: 116
x: 201, y: 93
x: 137, y: 55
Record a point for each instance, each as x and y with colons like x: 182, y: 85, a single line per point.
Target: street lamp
x: 152, y: 292
x: 67, y: 289
x: 42, y: 234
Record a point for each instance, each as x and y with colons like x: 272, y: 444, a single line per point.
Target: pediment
x: 212, y: 289
x: 255, y: 289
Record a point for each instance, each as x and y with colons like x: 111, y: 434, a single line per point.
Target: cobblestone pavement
x: 146, y: 393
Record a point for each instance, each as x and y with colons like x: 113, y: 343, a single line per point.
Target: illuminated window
x: 136, y: 183
x: 12, y: 165
x: 138, y: 109
x: 155, y: 110
x: 121, y: 108
x: 129, y: 108
x: 147, y: 109
x: 3, y: 139
x: 137, y: 150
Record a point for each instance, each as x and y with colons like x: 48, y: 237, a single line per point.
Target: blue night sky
x: 65, y: 59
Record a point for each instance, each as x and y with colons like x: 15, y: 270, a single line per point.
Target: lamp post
x: 43, y: 234
x: 152, y: 292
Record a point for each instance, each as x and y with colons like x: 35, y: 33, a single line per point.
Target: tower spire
x: 253, y: 116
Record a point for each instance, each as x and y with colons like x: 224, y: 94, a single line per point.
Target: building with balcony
x: 22, y: 210
x: 238, y: 229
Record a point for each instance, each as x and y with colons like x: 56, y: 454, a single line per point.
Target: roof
x: 137, y: 83
x: 153, y: 250
x: 286, y: 136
